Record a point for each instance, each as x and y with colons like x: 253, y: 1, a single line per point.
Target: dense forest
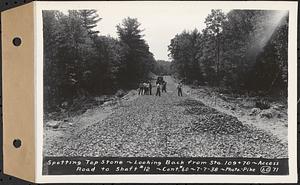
x: 243, y: 51
x: 78, y: 61
x: 162, y: 67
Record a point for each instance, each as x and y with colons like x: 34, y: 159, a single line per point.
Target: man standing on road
x: 150, y: 88
x: 141, y: 89
x: 164, y: 87
x: 179, y: 88
x: 145, y: 88
x: 158, y: 90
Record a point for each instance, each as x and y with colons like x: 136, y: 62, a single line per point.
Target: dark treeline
x: 162, y: 67
x: 79, y: 62
x: 243, y: 51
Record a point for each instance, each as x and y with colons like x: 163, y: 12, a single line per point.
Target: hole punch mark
x: 17, y: 143
x: 17, y: 41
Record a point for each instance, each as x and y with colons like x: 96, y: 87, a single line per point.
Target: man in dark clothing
x: 179, y: 88
x: 158, y: 90
x: 141, y: 89
x: 150, y: 88
x: 164, y: 87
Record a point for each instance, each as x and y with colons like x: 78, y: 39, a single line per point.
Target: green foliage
x: 162, y: 68
x: 242, y: 50
x: 138, y: 59
x: 78, y: 62
x: 184, y: 49
x: 90, y: 19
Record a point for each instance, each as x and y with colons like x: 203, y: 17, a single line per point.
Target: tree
x: 90, y: 19
x: 68, y: 52
x: 138, y: 59
x: 162, y: 67
x: 51, y: 64
x: 79, y: 63
x: 214, y: 27
x: 238, y: 53
x: 184, y: 50
x: 244, y: 50
x: 107, y: 70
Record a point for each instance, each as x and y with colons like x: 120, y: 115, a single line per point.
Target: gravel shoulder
x: 166, y: 126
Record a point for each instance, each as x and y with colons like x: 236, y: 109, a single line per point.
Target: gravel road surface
x: 167, y: 126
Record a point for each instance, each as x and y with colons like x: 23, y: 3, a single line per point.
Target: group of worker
x: 146, y: 88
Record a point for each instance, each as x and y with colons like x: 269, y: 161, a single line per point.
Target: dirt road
x: 166, y: 126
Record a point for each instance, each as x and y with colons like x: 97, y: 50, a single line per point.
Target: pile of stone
x: 210, y: 120
x: 218, y: 123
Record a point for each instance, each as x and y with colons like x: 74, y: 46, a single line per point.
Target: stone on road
x: 169, y: 126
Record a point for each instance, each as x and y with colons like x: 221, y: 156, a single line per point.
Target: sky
x: 161, y: 21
